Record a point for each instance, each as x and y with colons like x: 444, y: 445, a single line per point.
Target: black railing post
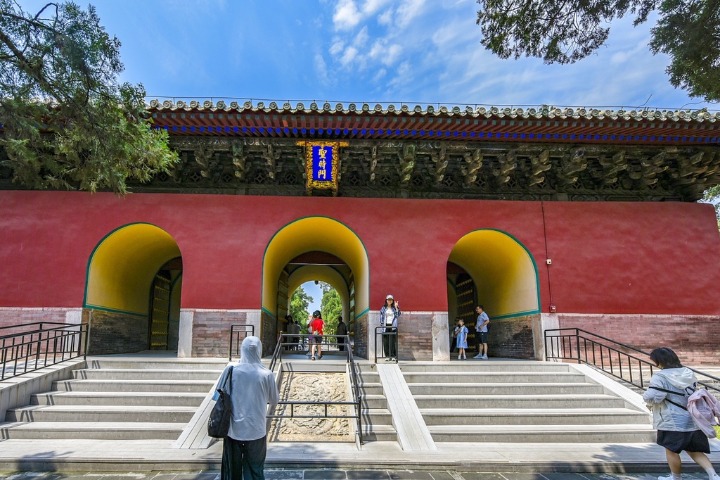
x: 577, y: 345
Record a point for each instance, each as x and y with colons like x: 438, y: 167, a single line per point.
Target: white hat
x: 389, y: 296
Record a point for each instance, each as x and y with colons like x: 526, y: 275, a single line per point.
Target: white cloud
x: 337, y: 47
x: 321, y: 71
x: 361, y: 38
x: 372, y: 6
x: 348, y: 56
x: 346, y: 15
x: 403, y: 76
x: 408, y: 11
x: 385, y: 18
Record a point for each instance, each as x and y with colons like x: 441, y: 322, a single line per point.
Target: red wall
x: 607, y: 257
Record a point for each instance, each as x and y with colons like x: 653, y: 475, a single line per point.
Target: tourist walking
x: 254, y: 389
x: 676, y: 431
x: 341, y: 332
x: 481, y: 332
x: 389, y: 315
x: 315, y: 328
x: 462, y: 339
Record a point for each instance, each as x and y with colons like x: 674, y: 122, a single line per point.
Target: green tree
x: 564, y: 32
x: 331, y: 307
x: 712, y: 196
x: 299, y: 303
x: 67, y: 121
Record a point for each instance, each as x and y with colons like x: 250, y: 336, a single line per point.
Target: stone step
x: 519, y: 401
x: 379, y: 433
x: 371, y: 388
x: 145, y: 374
x: 533, y: 417
x: 91, y: 430
x: 504, y: 388
x: 566, y: 433
x: 493, y: 377
x: 154, y: 364
x: 202, y: 386
x: 374, y: 401
x: 376, y: 416
x: 189, y: 399
x: 101, y: 413
x: 476, y: 365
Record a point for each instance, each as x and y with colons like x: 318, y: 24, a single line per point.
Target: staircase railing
x: 237, y: 335
x: 31, y: 346
x: 290, y: 341
x: 617, y: 359
x: 388, y: 340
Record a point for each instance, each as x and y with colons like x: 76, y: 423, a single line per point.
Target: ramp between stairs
x: 412, y: 433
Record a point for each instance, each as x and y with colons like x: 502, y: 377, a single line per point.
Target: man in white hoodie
x: 253, y: 389
x: 676, y: 431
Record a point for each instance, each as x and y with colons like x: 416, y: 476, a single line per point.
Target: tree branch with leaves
x: 564, y: 31
x: 67, y: 123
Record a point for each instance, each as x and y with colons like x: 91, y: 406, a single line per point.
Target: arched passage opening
x: 315, y: 248
x: 132, y: 291
x: 335, y: 275
x: 492, y: 268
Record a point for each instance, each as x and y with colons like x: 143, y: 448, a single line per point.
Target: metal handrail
x: 276, y: 360
x: 235, y: 331
x: 383, y: 333
x: 610, y: 356
x: 26, y: 325
x: 36, y: 347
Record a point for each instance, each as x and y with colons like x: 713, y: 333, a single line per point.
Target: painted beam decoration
x: 322, y: 164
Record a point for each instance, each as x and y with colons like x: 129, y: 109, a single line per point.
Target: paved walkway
x: 340, y: 474
x: 143, y: 456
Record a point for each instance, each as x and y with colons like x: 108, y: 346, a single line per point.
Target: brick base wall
x: 695, y: 338
x: 270, y: 333
x: 10, y: 316
x: 211, y: 331
x: 512, y: 337
x: 360, y: 329
x: 415, y: 336
x: 114, y: 332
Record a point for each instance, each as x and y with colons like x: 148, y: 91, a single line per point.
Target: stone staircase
x: 119, y: 399
x: 521, y: 401
x: 494, y: 401
x: 376, y: 418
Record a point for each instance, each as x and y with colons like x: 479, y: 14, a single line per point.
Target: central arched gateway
x: 315, y: 248
x: 492, y: 268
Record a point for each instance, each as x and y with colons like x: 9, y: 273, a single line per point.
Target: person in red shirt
x: 315, y: 328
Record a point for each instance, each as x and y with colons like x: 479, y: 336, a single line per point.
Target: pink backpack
x: 704, y: 410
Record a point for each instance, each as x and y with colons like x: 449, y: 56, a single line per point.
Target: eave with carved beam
x: 546, y: 153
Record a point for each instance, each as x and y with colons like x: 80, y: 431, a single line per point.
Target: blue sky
x: 387, y: 51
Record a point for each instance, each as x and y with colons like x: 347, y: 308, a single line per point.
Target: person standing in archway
x: 315, y: 329
x: 389, y: 315
x: 341, y: 331
x: 481, y: 332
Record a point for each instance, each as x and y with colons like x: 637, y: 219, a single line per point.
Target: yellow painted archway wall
x: 315, y: 234
x: 123, y: 265
x: 503, y: 270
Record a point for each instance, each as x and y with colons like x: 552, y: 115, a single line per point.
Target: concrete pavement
x: 143, y: 456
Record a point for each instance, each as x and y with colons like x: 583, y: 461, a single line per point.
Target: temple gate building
x: 549, y: 217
